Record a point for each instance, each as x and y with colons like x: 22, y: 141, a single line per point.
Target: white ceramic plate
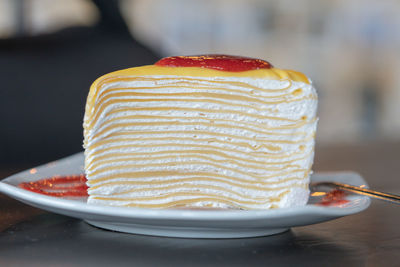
x: 181, y: 223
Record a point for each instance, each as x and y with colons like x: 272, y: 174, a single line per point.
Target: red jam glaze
x: 335, y: 197
x: 59, y: 186
x: 217, y: 62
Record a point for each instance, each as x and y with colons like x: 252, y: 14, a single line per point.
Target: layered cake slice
x: 210, y: 131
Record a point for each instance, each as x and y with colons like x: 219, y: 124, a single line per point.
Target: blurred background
x: 51, y: 51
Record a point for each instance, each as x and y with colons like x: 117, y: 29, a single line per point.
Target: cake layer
x: 157, y: 140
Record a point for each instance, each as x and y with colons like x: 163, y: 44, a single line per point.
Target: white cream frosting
x: 251, y: 140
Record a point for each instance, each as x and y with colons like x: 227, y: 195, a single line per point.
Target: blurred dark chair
x: 45, y: 81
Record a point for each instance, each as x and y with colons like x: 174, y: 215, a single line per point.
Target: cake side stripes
x: 206, y: 164
x: 189, y: 109
x: 242, y: 96
x: 188, y: 120
x: 165, y: 173
x: 129, y: 149
x: 157, y: 189
x: 110, y: 157
x: 108, y: 102
x: 125, y: 126
x: 193, y: 195
x: 261, y: 186
x: 114, y: 160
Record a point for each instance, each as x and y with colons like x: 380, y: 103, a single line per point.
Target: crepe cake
x: 209, y: 131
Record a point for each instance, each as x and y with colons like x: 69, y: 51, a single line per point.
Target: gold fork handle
x: 363, y: 191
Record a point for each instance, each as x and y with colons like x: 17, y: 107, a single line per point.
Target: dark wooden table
x: 372, y: 238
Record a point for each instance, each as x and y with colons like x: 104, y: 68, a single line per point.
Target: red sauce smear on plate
x: 335, y: 197
x: 217, y: 62
x: 59, y: 186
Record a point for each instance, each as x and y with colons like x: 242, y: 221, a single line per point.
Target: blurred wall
x: 50, y: 53
x: 350, y: 49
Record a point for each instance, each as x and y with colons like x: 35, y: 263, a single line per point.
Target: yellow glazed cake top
x: 258, y: 69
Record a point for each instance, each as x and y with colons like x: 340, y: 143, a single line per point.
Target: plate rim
x: 38, y: 200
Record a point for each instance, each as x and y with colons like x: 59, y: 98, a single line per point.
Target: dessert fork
x: 359, y: 190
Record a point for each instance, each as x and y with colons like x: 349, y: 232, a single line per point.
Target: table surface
x: 30, y: 236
